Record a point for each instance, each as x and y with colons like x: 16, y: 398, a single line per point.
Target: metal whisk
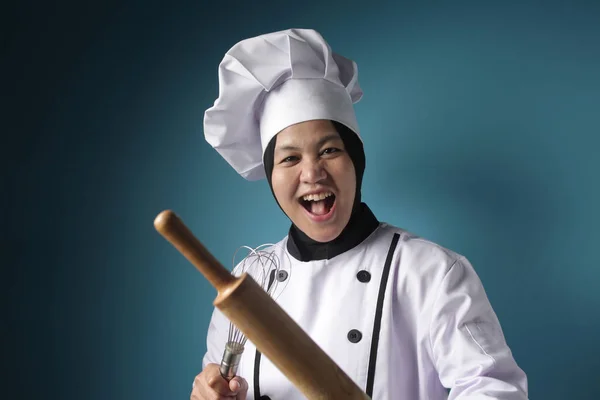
x: 263, y: 265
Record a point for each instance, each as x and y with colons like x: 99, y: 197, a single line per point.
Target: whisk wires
x: 264, y: 266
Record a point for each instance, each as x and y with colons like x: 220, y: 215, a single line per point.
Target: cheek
x: 351, y: 187
x: 348, y: 179
x: 281, y: 182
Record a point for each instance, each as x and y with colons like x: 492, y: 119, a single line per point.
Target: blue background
x: 481, y: 123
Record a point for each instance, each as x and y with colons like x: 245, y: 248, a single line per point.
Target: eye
x: 289, y: 159
x: 330, y: 150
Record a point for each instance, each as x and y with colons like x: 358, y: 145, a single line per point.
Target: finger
x: 197, y: 389
x: 239, y: 386
x: 220, y: 385
x: 201, y: 390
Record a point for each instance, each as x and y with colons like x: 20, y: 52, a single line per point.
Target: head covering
x: 362, y: 221
x: 354, y: 148
x: 272, y: 81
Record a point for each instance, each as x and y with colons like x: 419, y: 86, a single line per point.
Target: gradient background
x: 481, y: 122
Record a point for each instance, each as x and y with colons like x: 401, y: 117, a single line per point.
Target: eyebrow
x: 333, y: 136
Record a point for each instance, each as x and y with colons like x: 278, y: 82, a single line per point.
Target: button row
x: 354, y: 336
x: 362, y: 276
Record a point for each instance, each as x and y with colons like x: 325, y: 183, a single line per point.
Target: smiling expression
x: 313, y: 179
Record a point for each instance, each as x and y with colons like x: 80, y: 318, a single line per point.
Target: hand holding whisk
x: 271, y: 329
x: 264, y: 267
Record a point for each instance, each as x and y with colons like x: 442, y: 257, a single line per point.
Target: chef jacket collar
x: 362, y: 223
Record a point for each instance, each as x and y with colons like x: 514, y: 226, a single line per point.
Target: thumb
x: 239, y: 386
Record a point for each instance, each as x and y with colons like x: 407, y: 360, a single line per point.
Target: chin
x: 322, y: 235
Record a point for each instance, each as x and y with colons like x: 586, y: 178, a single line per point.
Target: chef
x: 404, y: 317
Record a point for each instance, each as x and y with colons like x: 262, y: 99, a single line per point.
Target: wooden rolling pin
x: 263, y: 321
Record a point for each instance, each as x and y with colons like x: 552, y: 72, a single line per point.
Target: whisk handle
x: 172, y: 228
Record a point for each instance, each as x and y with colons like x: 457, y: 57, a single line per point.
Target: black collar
x: 361, y: 225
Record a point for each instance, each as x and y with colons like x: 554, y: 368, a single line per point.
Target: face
x: 313, y: 179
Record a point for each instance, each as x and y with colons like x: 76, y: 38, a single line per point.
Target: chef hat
x: 270, y: 82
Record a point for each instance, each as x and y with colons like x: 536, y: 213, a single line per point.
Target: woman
x: 402, y: 316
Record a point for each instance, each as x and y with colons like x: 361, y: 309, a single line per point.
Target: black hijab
x: 362, y: 221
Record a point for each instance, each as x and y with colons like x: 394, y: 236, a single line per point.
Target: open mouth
x: 318, y: 204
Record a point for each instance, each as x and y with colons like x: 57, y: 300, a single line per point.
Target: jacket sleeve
x: 468, y: 346
x: 216, y: 337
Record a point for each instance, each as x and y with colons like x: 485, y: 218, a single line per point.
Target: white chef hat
x: 270, y: 82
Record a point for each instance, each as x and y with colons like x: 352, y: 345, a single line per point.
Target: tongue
x: 318, y: 207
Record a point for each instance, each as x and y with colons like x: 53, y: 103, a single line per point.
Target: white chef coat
x: 404, y: 317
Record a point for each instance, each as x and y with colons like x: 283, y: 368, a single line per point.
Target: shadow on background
x: 520, y: 228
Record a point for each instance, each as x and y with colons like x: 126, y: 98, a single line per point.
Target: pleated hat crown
x: 270, y: 82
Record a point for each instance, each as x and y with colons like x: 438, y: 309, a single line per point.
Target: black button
x: 282, y: 276
x: 363, y: 276
x: 354, y: 336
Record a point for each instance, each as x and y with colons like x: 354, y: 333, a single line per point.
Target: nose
x: 312, y: 171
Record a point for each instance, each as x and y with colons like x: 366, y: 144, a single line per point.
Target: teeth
x: 317, y: 197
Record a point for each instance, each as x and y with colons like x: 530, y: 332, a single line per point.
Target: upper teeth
x: 317, y: 197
